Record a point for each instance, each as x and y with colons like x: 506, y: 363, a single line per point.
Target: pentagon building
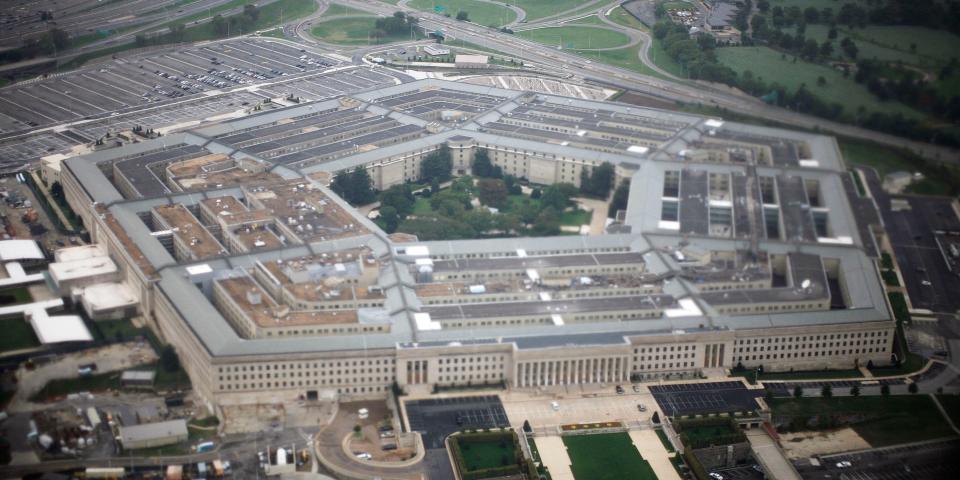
x: 739, y: 244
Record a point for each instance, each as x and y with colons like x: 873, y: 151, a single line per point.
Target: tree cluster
x: 354, y: 186
x: 53, y: 41
x: 438, y: 164
x: 399, y: 24
x: 597, y: 182
x: 483, y: 167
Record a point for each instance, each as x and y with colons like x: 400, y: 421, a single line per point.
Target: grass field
x: 487, y: 14
x: 352, y: 31
x: 17, y: 334
x: 544, y: 8
x: 576, y: 37
x: 627, y: 57
x: 770, y: 66
x: 610, y: 456
x: 483, y: 454
x: 886, y: 420
x: 623, y: 17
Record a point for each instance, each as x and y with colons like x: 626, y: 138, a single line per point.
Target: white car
x: 844, y: 464
x: 364, y: 456
x: 555, y: 406
x: 925, y: 283
x: 716, y: 476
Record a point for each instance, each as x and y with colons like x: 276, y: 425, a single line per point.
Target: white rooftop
x: 20, y: 250
x: 83, y: 268
x: 71, y: 254
x: 57, y: 329
x: 108, y: 296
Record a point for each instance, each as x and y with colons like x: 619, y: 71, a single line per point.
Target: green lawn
x: 489, y: 453
x: 951, y: 403
x: 912, y: 364
x: 935, y: 45
x: 17, y: 334
x: 610, y: 456
x: 627, y: 57
x: 623, y: 17
x: 865, y: 49
x: 421, y: 207
x: 15, y: 296
x: 879, y: 420
x: 486, y: 14
x: 576, y: 37
x: 544, y: 8
x: 353, y: 31
x: 664, y: 440
x: 769, y: 65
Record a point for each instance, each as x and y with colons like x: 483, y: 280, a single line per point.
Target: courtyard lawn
x: 483, y: 454
x: 481, y: 13
x: 885, y: 420
x: 353, y: 31
x: 609, y: 456
x: 17, y: 335
x: 770, y: 66
x: 544, y: 8
x: 576, y: 37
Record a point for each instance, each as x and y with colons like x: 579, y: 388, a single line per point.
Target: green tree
x: 483, y: 166
x: 389, y: 219
x: 619, y: 201
x: 826, y: 391
x: 913, y: 388
x: 463, y: 16
x: 362, y: 186
x: 219, y: 25
x: 558, y: 195
x: 438, y: 164
x: 798, y: 392
x: 492, y: 192
x: 855, y: 391
x: 169, y: 359
x: 885, y: 390
x: 547, y: 222
x: 399, y: 197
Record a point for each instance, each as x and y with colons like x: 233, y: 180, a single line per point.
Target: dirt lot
x: 111, y: 358
x: 807, y: 444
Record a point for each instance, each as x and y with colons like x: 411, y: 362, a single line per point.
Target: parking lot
x: 702, y: 398
x: 151, y: 90
x: 126, y: 83
x: 929, y: 281
x: 926, y: 460
x: 437, y: 418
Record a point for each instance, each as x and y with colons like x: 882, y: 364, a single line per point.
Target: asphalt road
x: 577, y: 66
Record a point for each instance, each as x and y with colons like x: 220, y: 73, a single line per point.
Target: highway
x: 594, y: 71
